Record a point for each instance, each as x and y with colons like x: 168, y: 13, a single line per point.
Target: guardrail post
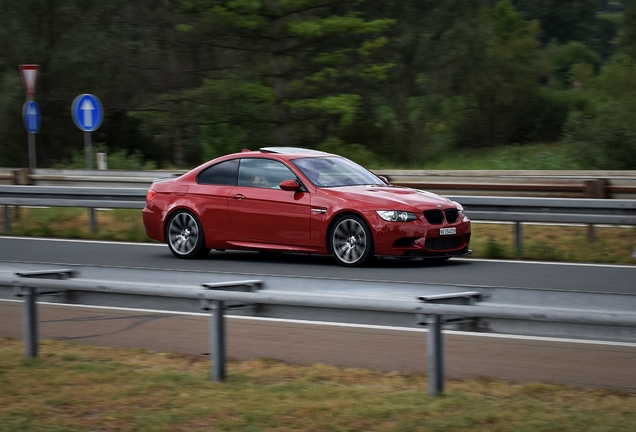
x: 518, y: 237
x: 217, y: 340
x: 30, y: 323
x: 596, y: 188
x: 7, y: 218
x: 218, y: 351
x: 435, y: 353
x: 92, y: 219
x: 434, y: 341
x: 22, y: 176
x: 30, y: 311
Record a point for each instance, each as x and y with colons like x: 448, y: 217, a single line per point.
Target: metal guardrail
x: 87, y: 197
x: 55, y: 196
x: 520, y: 183
x: 557, y: 210
x: 432, y: 311
x: 549, y: 210
x: 554, y: 210
x: 478, y: 208
x: 78, y: 178
x: 539, y: 183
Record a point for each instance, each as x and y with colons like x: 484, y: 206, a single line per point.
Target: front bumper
x: 419, y: 238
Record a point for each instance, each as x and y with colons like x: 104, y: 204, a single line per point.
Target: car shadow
x: 285, y: 258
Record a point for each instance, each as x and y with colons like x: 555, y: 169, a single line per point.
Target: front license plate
x: 447, y: 231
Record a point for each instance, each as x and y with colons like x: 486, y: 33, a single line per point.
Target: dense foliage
x: 396, y: 82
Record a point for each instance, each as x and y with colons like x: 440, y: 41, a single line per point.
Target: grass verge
x: 82, y: 388
x: 73, y: 223
x: 555, y: 243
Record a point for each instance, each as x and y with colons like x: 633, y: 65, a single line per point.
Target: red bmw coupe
x: 298, y: 200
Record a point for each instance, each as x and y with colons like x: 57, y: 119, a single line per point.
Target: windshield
x: 334, y: 171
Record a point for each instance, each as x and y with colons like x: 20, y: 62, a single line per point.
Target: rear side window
x: 224, y: 173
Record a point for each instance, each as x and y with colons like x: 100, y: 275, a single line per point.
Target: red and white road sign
x: 29, y: 77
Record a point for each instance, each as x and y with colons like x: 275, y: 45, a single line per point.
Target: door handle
x: 238, y: 197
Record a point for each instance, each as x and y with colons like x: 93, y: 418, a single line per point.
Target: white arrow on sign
x: 87, y: 112
x: 88, y: 107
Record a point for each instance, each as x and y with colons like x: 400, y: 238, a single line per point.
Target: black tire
x: 184, y: 235
x: 351, y: 241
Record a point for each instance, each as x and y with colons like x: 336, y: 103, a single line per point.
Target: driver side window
x: 263, y: 173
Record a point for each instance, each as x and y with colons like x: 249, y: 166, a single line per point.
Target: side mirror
x: 289, y: 185
x: 385, y: 180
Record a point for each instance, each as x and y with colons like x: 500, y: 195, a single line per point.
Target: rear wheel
x: 184, y: 235
x: 351, y: 241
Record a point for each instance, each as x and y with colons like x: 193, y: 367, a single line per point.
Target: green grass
x: 534, y: 156
x: 540, y: 242
x: 61, y: 222
x: 81, y: 388
x: 555, y: 243
x: 547, y: 156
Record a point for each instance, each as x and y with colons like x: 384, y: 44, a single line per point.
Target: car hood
x: 388, y: 197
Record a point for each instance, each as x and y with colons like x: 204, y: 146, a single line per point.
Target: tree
x: 507, y: 79
x: 171, y: 64
x: 33, y: 31
x: 566, y: 59
x: 464, y: 74
x: 74, y: 44
x: 291, y: 68
x: 571, y: 20
x: 627, y: 36
x: 605, y: 131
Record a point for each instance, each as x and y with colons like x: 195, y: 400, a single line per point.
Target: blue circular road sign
x: 87, y: 112
x: 31, y: 116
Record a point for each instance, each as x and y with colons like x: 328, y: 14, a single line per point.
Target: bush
x: 356, y: 152
x: 606, y: 138
x: 605, y: 132
x: 494, y: 249
x: 117, y: 159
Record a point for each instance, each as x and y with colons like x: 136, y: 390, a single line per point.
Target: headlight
x: 460, y: 208
x: 396, y: 216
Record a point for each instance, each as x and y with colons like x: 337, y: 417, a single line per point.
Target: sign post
x: 87, y: 113
x: 32, y: 121
x: 31, y: 110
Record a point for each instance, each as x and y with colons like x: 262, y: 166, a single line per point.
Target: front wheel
x: 351, y: 241
x: 185, y: 235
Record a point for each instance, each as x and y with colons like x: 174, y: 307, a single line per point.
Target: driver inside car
x: 260, y: 181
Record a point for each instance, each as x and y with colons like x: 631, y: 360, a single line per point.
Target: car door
x: 260, y: 211
x: 210, y: 196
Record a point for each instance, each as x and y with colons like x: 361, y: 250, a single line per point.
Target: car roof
x: 293, y: 151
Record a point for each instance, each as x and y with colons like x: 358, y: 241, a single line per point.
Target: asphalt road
x: 466, y: 271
